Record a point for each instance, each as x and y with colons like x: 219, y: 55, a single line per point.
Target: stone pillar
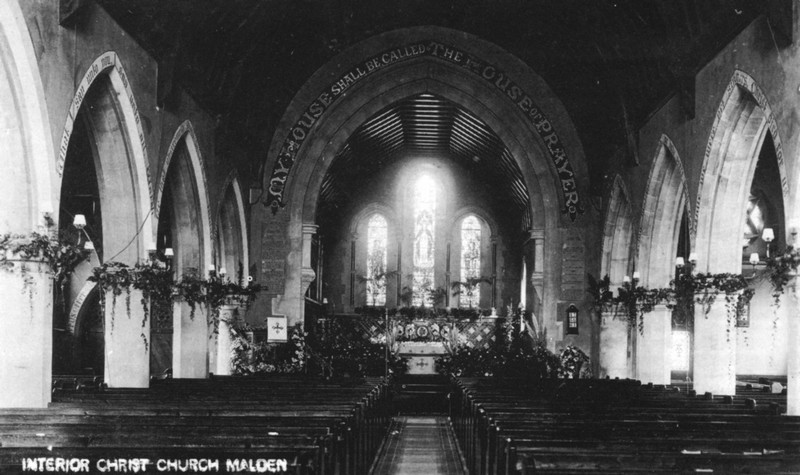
x: 714, y: 349
x: 189, y: 341
x: 613, y: 345
x: 127, y: 341
x: 653, y: 346
x: 793, y: 363
x: 26, y: 341
x: 307, y: 274
x: 224, y: 353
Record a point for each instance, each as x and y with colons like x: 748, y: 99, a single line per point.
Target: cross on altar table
x: 422, y: 363
x: 277, y: 327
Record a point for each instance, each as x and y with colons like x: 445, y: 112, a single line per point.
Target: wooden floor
x: 419, y: 445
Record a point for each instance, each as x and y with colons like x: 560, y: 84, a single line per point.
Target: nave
x: 491, y: 425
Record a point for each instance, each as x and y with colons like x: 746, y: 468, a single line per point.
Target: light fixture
x: 636, y: 275
x: 794, y: 227
x: 693, y: 258
x: 79, y: 221
x: 89, y: 246
x: 754, y: 259
x: 626, y: 279
x: 211, y: 270
x: 768, y: 235
x: 169, y: 253
x: 572, y: 320
x: 679, y: 262
x: 222, y: 271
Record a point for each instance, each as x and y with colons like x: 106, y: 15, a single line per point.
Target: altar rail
x: 478, y: 333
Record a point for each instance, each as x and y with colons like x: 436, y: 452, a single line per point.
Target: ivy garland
x: 780, y: 271
x: 61, y: 257
x: 115, y: 277
x: 155, y: 282
x: 681, y: 296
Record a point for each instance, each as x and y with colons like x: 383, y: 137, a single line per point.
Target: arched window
x: 470, y: 262
x: 376, y: 260
x: 424, y: 233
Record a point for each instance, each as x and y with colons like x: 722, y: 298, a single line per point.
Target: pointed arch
x: 743, y: 120
x: 232, y: 222
x: 185, y: 133
x: 665, y: 202
x: 618, y: 233
x: 118, y: 102
x: 29, y: 185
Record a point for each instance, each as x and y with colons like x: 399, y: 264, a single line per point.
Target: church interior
x: 400, y: 237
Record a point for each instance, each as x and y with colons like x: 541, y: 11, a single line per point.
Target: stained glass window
x: 424, y: 212
x: 376, y: 260
x: 470, y: 262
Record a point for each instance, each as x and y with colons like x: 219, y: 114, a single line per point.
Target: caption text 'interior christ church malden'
x: 400, y: 237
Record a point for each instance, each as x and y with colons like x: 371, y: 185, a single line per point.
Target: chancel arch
x: 429, y: 74
x: 180, y: 339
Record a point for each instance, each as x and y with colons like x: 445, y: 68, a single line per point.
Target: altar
x: 421, y: 355
x: 418, y: 335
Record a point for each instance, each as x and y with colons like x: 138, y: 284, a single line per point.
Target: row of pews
x: 619, y: 426
x: 247, y: 425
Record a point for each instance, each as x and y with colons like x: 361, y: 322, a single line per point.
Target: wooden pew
x: 321, y: 427
x: 559, y: 426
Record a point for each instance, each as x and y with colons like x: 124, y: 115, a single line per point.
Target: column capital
x: 310, y: 228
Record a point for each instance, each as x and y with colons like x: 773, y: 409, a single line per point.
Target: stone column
x: 653, y: 346
x: 308, y: 274
x: 222, y: 363
x: 127, y: 341
x: 793, y: 363
x: 714, y: 348
x: 189, y: 341
x: 26, y: 341
x: 613, y: 345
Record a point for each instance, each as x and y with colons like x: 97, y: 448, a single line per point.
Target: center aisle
x: 419, y: 445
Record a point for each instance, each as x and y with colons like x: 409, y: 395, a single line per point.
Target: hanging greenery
x: 221, y: 291
x: 633, y: 301
x: 62, y: 257
x: 114, y: 277
x: 155, y: 282
x: 780, y: 270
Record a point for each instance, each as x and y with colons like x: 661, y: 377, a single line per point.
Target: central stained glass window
x: 376, y: 260
x: 424, y: 233
x: 470, y: 261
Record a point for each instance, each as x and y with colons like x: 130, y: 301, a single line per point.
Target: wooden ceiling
x: 426, y: 125
x: 611, y: 62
